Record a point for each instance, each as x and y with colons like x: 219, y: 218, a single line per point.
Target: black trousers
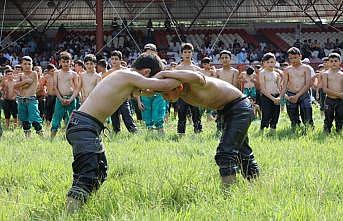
x: 50, y: 107
x: 233, y: 152
x: 90, y: 163
x: 322, y: 97
x: 183, y: 108
x: 41, y: 106
x: 270, y: 112
x: 124, y: 111
x: 304, y: 106
x: 136, y: 109
x: 333, y: 111
x: 10, y: 108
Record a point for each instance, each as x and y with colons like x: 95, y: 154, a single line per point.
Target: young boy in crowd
x: 66, y: 87
x: 249, y: 79
x: 9, y: 94
x: 27, y: 102
x: 296, y: 84
x: 89, y: 79
x: 51, y: 94
x: 183, y: 107
x: 333, y: 87
x: 270, y: 82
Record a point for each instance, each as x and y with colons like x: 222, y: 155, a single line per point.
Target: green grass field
x: 166, y: 178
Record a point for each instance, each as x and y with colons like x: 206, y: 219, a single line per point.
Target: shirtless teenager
x: 86, y: 124
x: 124, y: 109
x: 9, y: 94
x: 41, y: 91
x: 79, y: 68
x: 207, y: 69
x: 249, y: 79
x: 228, y: 73
x: 51, y: 94
x: 296, y: 84
x: 27, y: 102
x: 186, y: 64
x: 89, y: 79
x: 270, y: 84
x: 320, y: 93
x: 333, y: 87
x: 66, y: 88
x: 233, y: 153
x: 154, y: 106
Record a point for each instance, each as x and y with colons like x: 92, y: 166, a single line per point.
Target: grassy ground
x: 166, y: 178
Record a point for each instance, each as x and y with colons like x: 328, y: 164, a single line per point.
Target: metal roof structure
x: 45, y: 14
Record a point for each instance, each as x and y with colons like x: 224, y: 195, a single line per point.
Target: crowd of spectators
x: 44, y: 50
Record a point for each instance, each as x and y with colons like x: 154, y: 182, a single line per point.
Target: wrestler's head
x: 148, y: 64
x: 174, y: 94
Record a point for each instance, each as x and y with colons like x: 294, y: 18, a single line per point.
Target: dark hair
x: 250, y: 70
x: 258, y: 67
x: 80, y: 63
x: 205, y: 60
x: 50, y: 67
x: 268, y: 56
x: 325, y: 59
x: 90, y: 57
x: 102, y: 63
x: 294, y: 51
x: 187, y: 46
x: 225, y: 52
x: 26, y: 58
x: 118, y: 54
x: 64, y: 55
x: 284, y: 64
x: 334, y: 55
x: 151, y: 61
x: 8, y: 70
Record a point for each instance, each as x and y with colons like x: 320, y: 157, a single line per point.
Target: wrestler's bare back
x: 211, y: 93
x: 112, y: 91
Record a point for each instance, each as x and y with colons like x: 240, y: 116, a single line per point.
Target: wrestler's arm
x: 154, y: 84
x: 236, y: 79
x: 58, y: 95
x: 76, y: 86
x: 184, y: 76
x: 285, y: 82
x: 25, y: 82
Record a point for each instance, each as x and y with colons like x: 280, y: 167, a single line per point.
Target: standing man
x: 296, y: 84
x: 66, y: 88
x: 153, y: 107
x: 27, y: 102
x: 186, y: 64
